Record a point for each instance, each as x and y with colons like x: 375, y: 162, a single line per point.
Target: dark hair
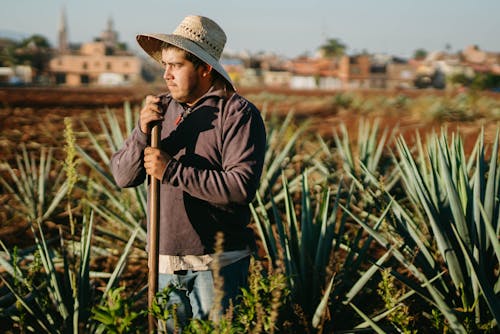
x: 197, y: 62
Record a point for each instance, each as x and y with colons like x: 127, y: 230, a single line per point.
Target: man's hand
x: 155, y: 162
x: 151, y: 112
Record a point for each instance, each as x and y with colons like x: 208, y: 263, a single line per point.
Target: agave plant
x: 447, y: 238
x: 363, y: 158
x: 460, y: 200
x: 51, y: 291
x: 307, y: 241
x: 123, y: 209
x: 35, y: 185
x: 57, y: 302
x: 281, y: 142
x: 54, y: 289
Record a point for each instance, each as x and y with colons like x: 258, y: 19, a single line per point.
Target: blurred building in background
x: 16, y: 75
x: 439, y: 70
x: 104, y: 61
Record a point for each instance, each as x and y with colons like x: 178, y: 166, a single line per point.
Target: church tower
x: 63, y: 34
x: 110, y: 36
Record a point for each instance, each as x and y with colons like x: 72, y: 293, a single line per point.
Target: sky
x: 287, y: 28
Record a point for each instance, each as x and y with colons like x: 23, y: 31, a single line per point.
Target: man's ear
x: 206, y: 69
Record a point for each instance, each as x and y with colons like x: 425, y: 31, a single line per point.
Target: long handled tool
x: 154, y: 218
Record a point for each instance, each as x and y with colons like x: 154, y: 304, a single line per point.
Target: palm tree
x: 420, y: 54
x: 333, y: 48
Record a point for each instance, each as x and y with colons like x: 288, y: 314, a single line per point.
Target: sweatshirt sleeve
x: 243, y: 148
x: 127, y: 164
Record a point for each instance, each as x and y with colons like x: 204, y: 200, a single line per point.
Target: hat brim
x: 152, y: 44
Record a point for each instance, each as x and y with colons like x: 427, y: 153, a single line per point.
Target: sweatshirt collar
x: 219, y: 90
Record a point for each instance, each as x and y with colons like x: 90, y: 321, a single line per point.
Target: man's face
x: 182, y: 78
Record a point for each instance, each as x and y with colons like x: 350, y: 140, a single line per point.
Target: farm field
x: 34, y: 116
x: 330, y: 134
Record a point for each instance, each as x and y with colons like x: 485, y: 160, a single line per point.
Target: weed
x: 399, y: 316
x: 117, y: 315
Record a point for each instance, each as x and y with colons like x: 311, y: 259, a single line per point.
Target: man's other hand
x: 151, y: 112
x: 155, y: 162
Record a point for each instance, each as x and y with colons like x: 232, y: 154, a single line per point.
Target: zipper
x: 183, y: 115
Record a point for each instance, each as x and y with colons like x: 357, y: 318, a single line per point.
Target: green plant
x: 446, y: 236
x: 309, y: 245
x: 123, y: 209
x: 343, y: 100
x: 399, y: 312
x: 37, y: 187
x: 399, y: 102
x: 362, y: 158
x: 62, y: 304
x: 70, y: 163
x: 460, y: 199
x: 164, y: 312
x: 55, y: 302
x: 19, y: 318
x: 258, y: 310
x: 116, y: 316
x: 281, y: 142
x: 59, y: 297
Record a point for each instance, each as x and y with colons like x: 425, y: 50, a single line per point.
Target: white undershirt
x: 168, y: 264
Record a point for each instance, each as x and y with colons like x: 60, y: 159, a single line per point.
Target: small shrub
x: 390, y: 294
x: 117, y: 315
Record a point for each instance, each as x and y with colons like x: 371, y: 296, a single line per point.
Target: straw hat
x: 195, y: 34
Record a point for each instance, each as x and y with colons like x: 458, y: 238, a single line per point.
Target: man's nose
x: 167, y: 74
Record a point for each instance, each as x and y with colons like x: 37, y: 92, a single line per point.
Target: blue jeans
x: 195, y: 293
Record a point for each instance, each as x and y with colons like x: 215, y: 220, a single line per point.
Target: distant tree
x: 332, y: 48
x: 7, y: 52
x: 35, y: 41
x: 420, y: 54
x: 460, y: 79
x: 478, y: 81
x: 489, y: 81
x: 34, y: 51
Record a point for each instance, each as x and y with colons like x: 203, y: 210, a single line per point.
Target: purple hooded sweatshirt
x: 217, y: 149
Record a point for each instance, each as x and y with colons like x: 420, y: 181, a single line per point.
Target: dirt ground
x: 35, y: 115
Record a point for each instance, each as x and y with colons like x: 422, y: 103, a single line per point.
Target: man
x: 209, y: 163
